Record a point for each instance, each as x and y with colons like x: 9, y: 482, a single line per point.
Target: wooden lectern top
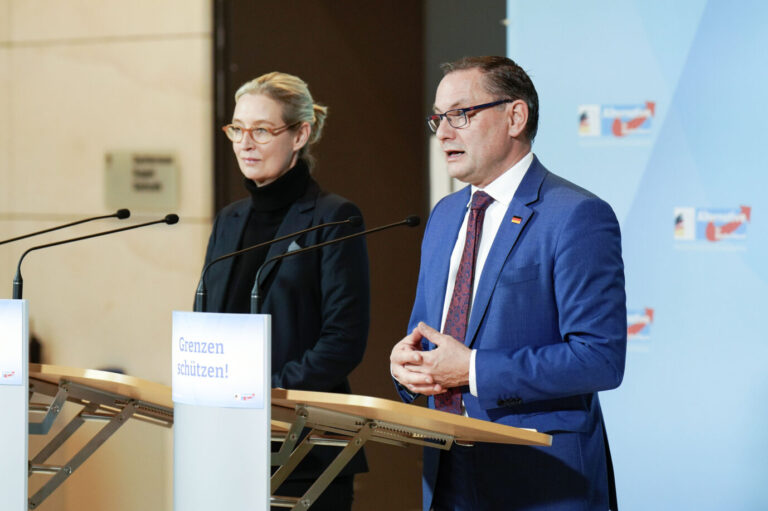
x: 463, y: 429
x: 128, y: 386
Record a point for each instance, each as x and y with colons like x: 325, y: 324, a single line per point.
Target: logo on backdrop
x: 720, y: 226
x: 639, y: 324
x: 617, y: 121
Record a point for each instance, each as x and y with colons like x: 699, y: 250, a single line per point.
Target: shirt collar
x: 503, y: 188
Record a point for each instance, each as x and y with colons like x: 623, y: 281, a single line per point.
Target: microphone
x: 18, y: 282
x: 411, y: 221
x: 119, y: 214
x: 201, y: 293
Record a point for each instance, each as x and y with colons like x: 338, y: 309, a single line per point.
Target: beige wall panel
x: 73, y: 103
x: 41, y: 20
x: 131, y: 471
x: 5, y: 129
x: 88, y: 77
x: 5, y: 23
x: 5, y: 186
x: 7, y: 266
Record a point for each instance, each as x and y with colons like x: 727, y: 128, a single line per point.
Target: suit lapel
x: 231, y: 231
x: 506, y: 238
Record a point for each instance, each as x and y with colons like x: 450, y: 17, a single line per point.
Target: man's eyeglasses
x: 259, y: 134
x: 458, y: 118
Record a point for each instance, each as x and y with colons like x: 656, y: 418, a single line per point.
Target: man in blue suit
x: 520, y: 314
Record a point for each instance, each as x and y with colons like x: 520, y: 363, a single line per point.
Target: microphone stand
x: 411, y: 221
x: 201, y: 293
x: 18, y: 282
x: 119, y: 214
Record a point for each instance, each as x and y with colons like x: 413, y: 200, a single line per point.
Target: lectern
x: 110, y: 399
x: 347, y: 421
x: 350, y: 421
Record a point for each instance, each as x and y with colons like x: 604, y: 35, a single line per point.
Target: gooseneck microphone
x: 119, y: 214
x: 411, y: 221
x: 18, y: 282
x: 201, y: 293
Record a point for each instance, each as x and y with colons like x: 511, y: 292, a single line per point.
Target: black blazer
x: 319, y: 301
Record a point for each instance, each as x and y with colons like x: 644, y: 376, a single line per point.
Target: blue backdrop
x: 658, y: 107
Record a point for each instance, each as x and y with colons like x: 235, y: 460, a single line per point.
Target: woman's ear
x: 302, y: 136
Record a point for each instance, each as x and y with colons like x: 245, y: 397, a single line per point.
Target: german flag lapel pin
x: 516, y: 219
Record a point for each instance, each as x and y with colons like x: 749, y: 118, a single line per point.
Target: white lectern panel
x: 14, y: 403
x: 220, y: 459
x: 221, y: 388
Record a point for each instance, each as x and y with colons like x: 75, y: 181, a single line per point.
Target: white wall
x: 80, y: 78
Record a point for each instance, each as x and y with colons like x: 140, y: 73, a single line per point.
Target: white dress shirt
x: 502, y: 189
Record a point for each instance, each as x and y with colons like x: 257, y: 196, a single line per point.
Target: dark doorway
x: 365, y: 61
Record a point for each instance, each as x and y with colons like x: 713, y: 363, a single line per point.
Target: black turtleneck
x: 269, y: 204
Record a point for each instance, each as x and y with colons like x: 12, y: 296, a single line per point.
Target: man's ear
x: 518, y: 117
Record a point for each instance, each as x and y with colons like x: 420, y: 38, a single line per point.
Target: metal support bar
x: 98, y: 405
x: 328, y: 442
x: 282, y: 473
x: 99, y: 417
x: 83, y: 394
x: 279, y: 457
x: 165, y: 422
x: 322, y: 440
x: 330, y: 473
x: 387, y: 432
x: 42, y: 387
x: 39, y: 407
x: 63, y: 435
x: 283, y: 501
x: 335, y: 422
x: 45, y: 469
x: 78, y: 459
x: 44, y: 426
x: 357, y: 429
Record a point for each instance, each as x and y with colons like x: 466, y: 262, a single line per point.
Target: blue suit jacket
x: 549, y: 325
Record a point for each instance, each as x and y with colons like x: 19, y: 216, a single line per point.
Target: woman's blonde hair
x: 298, y: 106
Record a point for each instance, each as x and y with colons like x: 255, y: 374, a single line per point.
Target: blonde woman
x: 319, y: 300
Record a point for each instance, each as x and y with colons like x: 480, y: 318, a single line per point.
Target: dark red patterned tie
x: 458, y: 311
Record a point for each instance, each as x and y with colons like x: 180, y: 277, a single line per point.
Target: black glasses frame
x: 459, y: 115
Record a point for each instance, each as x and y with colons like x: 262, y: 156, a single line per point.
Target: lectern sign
x: 221, y: 417
x: 219, y: 359
x: 11, y: 364
x: 14, y: 404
